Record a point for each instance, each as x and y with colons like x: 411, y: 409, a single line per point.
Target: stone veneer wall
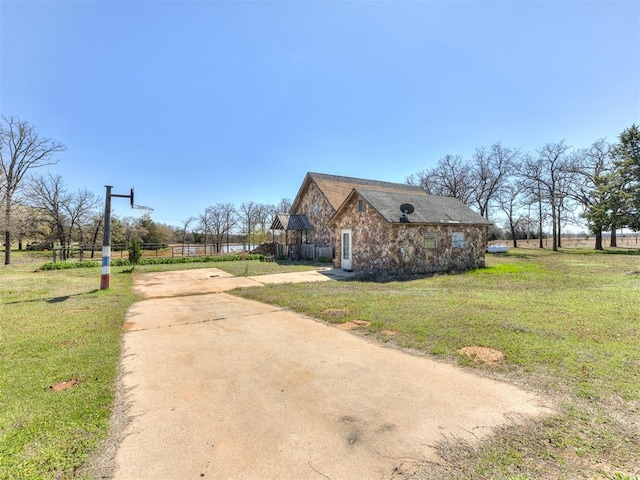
x: 381, y: 248
x: 322, y: 234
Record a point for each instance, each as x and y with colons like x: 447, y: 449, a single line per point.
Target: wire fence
x: 158, y: 250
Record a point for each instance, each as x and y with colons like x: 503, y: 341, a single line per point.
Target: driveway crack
x: 204, y: 320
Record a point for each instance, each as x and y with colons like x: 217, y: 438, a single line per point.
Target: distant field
x: 583, y: 241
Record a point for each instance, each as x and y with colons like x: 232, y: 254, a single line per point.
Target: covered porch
x: 297, y: 235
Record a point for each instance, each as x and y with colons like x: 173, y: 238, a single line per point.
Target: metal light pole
x: 106, y: 239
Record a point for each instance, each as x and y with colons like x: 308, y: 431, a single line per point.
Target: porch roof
x: 285, y: 221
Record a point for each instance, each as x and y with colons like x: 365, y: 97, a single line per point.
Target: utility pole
x: 106, y: 239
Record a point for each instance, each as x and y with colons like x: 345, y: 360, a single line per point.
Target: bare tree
x: 509, y: 199
x: 530, y: 172
x: 230, y: 219
x: 21, y: 149
x: 211, y: 221
x: 284, y: 206
x: 48, y: 194
x: 590, y: 188
x: 67, y: 213
x: 26, y: 224
x: 490, y: 171
x: 264, y: 216
x: 204, y: 225
x: 185, y: 225
x: 427, y: 181
x: 96, y: 228
x: 81, y: 209
x: 560, y: 174
x: 546, y: 175
x: 221, y: 218
x: 247, y: 213
x: 451, y: 177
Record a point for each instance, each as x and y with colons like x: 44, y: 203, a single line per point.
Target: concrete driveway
x: 225, y: 388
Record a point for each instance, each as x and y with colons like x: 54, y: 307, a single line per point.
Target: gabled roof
x: 284, y: 221
x: 428, y: 209
x: 336, y: 188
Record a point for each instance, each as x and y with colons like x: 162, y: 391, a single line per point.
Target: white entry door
x: 345, y: 262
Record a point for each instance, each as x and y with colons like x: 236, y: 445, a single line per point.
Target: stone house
x: 319, y: 197
x: 399, y: 233
x: 360, y: 224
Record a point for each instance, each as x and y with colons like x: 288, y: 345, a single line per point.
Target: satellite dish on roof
x: 406, y: 208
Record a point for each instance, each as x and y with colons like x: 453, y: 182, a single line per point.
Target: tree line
x: 216, y: 223
x: 550, y: 188
x: 40, y: 206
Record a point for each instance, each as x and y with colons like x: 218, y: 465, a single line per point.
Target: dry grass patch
x: 389, y: 333
x: 66, y: 385
x: 353, y: 324
x: 336, y: 312
x: 486, y: 355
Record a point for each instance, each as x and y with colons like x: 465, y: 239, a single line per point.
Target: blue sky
x: 200, y: 102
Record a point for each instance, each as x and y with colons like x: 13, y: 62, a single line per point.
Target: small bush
x: 123, y: 262
x: 68, y: 265
x: 135, y: 252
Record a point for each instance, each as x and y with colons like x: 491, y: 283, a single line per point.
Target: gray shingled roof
x: 336, y: 188
x: 428, y: 209
x: 284, y: 221
x: 363, y: 182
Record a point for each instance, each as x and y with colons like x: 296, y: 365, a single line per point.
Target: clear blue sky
x: 200, y: 102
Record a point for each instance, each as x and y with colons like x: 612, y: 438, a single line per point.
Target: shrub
x: 67, y: 265
x: 135, y: 252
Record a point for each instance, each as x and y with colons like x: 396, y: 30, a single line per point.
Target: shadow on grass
x: 58, y: 299
x: 606, y: 251
x: 54, y: 300
x: 620, y: 252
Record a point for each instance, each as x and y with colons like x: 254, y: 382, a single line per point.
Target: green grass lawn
x: 57, y: 326
x: 568, y: 323
x: 569, y: 326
